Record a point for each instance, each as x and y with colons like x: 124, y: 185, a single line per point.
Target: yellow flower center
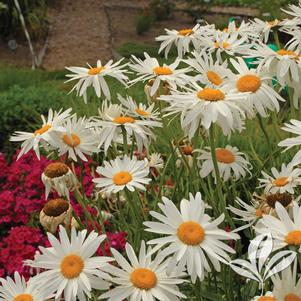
x: 294, y: 238
x: 292, y: 297
x: 141, y: 112
x: 162, y: 71
x: 248, y: 83
x: 123, y: 119
x: 185, y: 32
x: 259, y: 213
x: 96, y: 70
x: 287, y: 52
x: 56, y: 169
x: 223, y: 155
x: 266, y: 298
x: 214, y: 78
x: 122, y: 178
x: 71, y: 266
x: 225, y: 45
x: 71, y: 140
x: 43, y: 129
x: 23, y: 297
x: 273, y: 23
x: 211, y: 94
x: 56, y: 207
x: 191, y: 233
x: 144, y: 279
x: 279, y: 182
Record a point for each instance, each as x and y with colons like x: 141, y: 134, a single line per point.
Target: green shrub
x: 144, y: 21
x: 21, y: 108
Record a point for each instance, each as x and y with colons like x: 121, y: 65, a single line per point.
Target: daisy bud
x: 55, y: 212
x: 59, y: 177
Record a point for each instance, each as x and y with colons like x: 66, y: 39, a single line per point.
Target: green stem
x: 291, y: 99
x: 125, y: 141
x: 263, y: 130
x: 276, y: 38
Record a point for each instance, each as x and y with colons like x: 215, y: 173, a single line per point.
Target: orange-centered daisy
x: 225, y: 45
x: 294, y: 238
x: 211, y: 94
x: 191, y: 233
x: 162, y: 71
x: 123, y: 119
x: 72, y: 140
x: 96, y: 70
x: 23, y: 297
x: 292, y: 297
x: 280, y: 182
x: 143, y: 278
x: 214, y: 78
x: 71, y: 266
x: 141, y: 112
x: 248, y: 83
x: 43, y: 129
x: 122, y: 178
x: 185, y: 32
x: 223, y: 155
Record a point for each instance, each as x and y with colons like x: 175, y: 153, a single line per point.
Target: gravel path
x: 78, y: 34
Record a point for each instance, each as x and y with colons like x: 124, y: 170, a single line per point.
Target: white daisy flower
x: 182, y: 39
x: 209, y: 73
x: 206, y: 106
x: 281, y: 181
x: 142, y: 278
x: 232, y: 163
x: 18, y: 290
x: 295, y: 12
x: 192, y: 236
x: 53, y: 123
x: 77, y: 140
x: 223, y: 42
x: 95, y: 76
x: 256, y: 83
x: 293, y: 127
x: 138, y: 110
x: 281, y: 63
x: 264, y: 28
x: 288, y: 286
x: 245, y: 29
x: 284, y: 230
x: 295, y: 42
x: 70, y: 266
x: 122, y: 173
x: 58, y: 176
x: 249, y: 214
x: 155, y: 160
x: 113, y: 119
x: 150, y: 69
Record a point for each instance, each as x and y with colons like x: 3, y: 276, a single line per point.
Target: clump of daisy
x: 69, y: 265
x: 281, y: 181
x: 206, y: 106
x: 17, y: 289
x: 95, y: 77
x: 77, y: 141
x: 232, y: 163
x: 40, y: 137
x: 264, y: 28
x: 256, y: 83
x: 285, y: 230
x: 113, y: 119
x: 192, y: 237
x: 143, y: 278
x: 58, y: 175
x: 54, y: 213
x: 150, y: 69
x: 123, y: 172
